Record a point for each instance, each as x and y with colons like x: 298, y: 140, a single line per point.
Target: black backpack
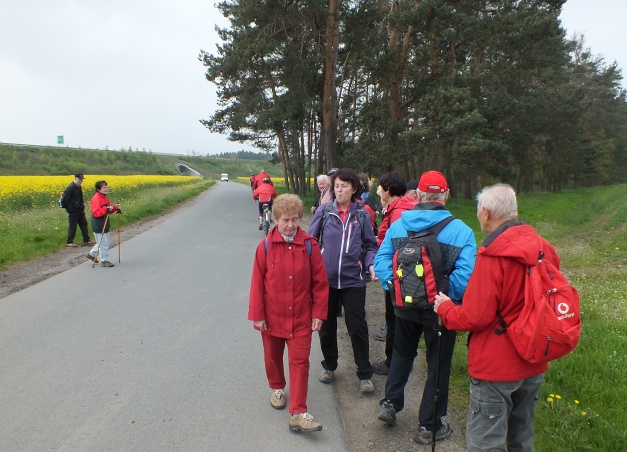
x: 418, y: 272
x: 64, y: 199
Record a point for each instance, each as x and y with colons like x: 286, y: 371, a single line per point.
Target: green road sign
x: 59, y: 139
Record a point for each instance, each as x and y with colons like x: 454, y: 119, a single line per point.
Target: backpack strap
x: 435, y: 229
x: 498, y: 312
x: 325, y: 218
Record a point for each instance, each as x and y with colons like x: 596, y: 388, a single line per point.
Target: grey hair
x: 432, y: 197
x: 322, y: 177
x: 499, y: 200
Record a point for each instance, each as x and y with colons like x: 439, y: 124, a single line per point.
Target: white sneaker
x: 366, y: 386
x: 326, y: 376
x: 277, y: 400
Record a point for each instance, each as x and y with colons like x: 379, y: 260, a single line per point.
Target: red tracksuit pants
x: 298, y: 350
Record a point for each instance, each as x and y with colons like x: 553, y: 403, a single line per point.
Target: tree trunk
x: 329, y: 96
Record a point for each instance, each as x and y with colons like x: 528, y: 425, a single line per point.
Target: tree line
x: 481, y: 90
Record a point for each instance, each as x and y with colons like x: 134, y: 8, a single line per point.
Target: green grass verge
x: 37, y: 232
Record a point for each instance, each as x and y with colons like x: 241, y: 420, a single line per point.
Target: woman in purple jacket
x: 348, y: 245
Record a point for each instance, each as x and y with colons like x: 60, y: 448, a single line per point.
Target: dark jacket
x: 346, y: 257
x: 73, y: 201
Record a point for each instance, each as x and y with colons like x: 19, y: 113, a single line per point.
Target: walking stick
x: 438, y: 330
x: 100, y: 242
x: 119, y: 243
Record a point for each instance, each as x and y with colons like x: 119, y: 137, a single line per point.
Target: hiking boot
x: 382, y: 334
x: 93, y: 258
x: 326, y: 376
x: 366, y: 386
x: 388, y: 413
x: 72, y: 245
x: 380, y: 368
x: 107, y: 264
x: 425, y: 436
x: 277, y: 400
x: 304, y: 423
x: 88, y: 243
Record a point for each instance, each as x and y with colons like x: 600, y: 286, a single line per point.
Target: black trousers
x: 405, y: 350
x: 77, y: 218
x: 390, y: 321
x: 354, y: 301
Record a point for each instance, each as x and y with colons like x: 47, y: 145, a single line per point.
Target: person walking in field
x: 74, y: 204
x: 101, y: 208
x: 288, y: 302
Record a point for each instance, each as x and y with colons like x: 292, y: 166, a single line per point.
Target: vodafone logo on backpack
x: 563, y: 309
x: 549, y: 325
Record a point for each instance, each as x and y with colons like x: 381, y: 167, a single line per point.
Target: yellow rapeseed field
x: 25, y: 192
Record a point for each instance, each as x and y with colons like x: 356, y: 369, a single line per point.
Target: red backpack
x: 549, y: 324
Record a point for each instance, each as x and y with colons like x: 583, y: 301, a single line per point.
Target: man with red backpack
x: 457, y: 245
x: 503, y: 385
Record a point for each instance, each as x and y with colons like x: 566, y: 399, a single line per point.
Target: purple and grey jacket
x: 346, y: 250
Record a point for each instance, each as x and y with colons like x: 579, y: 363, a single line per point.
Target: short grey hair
x: 432, y: 197
x: 322, y: 177
x: 499, y: 200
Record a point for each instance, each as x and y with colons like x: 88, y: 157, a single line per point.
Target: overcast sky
x: 122, y: 73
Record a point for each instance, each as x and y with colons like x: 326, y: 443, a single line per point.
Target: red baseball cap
x: 432, y: 182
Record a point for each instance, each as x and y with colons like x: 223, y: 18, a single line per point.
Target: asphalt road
x: 155, y: 353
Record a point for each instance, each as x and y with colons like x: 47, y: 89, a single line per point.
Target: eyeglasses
x: 332, y: 171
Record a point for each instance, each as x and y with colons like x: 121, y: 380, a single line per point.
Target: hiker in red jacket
x: 393, y: 189
x: 289, y: 293
x: 259, y: 179
x: 503, y: 386
x: 264, y: 194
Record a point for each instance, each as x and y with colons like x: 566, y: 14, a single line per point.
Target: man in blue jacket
x: 458, y: 246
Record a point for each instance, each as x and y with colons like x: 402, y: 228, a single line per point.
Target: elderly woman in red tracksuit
x: 289, y: 292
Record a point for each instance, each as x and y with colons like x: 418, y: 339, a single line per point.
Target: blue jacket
x: 346, y: 258
x: 457, y: 242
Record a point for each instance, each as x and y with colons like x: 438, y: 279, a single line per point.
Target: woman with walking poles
x: 101, y: 208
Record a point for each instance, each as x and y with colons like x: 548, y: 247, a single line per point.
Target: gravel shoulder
x: 364, y: 432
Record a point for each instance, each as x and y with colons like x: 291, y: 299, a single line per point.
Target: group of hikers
x: 301, y: 280
x: 73, y: 202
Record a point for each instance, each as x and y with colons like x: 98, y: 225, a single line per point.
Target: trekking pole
x: 119, y: 242
x: 100, y: 242
x: 438, y: 330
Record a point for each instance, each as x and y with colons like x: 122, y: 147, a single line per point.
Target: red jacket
x: 288, y: 287
x: 392, y: 213
x: 259, y: 180
x: 498, y: 282
x: 264, y: 192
